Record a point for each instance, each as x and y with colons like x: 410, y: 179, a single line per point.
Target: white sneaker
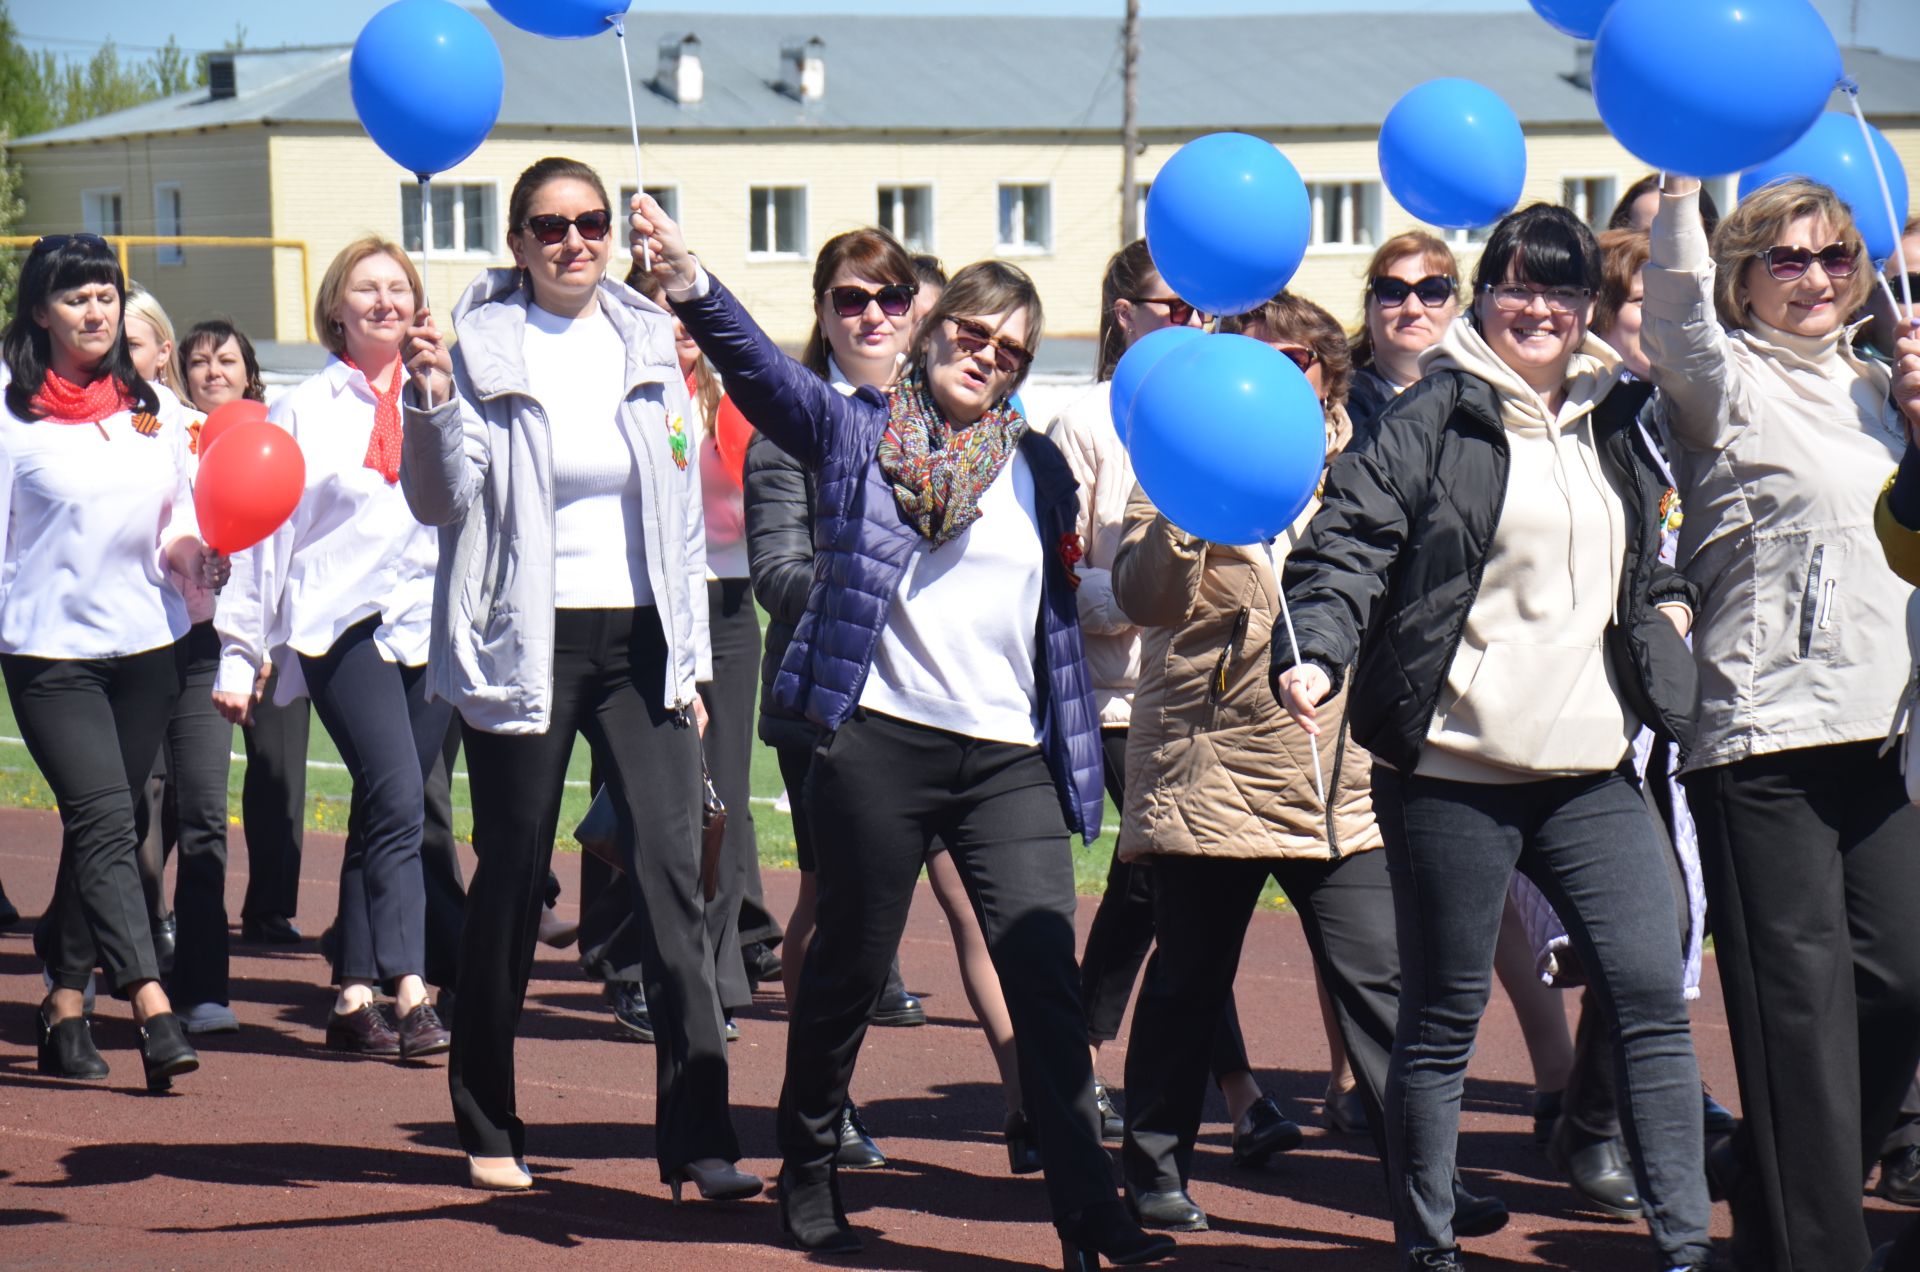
x: 46, y: 978
x: 210, y: 1018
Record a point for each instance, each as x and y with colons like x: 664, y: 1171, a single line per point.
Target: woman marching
x: 1485, y: 571
x: 338, y: 598
x: 95, y: 487
x: 554, y: 452
x: 941, y: 655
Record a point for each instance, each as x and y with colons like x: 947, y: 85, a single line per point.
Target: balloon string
x: 1313, y: 743
x: 1852, y: 92
x: 633, y: 118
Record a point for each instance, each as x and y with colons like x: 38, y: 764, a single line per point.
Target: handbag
x: 599, y: 832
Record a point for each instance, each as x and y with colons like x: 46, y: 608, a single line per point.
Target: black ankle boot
x: 811, y: 1217
x: 67, y: 1050
x: 1106, y: 1232
x: 165, y: 1051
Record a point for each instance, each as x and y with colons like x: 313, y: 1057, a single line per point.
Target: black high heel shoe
x: 1106, y: 1232
x: 165, y: 1051
x: 811, y: 1217
x: 67, y: 1050
x: 1023, y: 1147
x: 725, y: 1184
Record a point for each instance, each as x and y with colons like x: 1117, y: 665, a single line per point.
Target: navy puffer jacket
x: 863, y: 546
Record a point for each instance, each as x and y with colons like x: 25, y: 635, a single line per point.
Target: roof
x: 1015, y: 75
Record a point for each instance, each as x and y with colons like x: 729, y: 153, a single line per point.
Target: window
x: 778, y: 217
x: 907, y: 213
x: 668, y: 197
x: 166, y: 223
x: 464, y: 219
x: 100, y: 212
x: 1470, y: 238
x: 1345, y: 213
x: 1026, y: 218
x: 1141, y: 190
x: 1590, y: 198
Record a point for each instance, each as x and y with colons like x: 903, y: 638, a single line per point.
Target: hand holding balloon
x: 652, y: 229
x: 1906, y: 384
x: 1301, y: 688
x: 428, y: 362
x: 199, y: 564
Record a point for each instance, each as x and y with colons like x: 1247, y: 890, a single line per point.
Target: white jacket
x: 1085, y: 435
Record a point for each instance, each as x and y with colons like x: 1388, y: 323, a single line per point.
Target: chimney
x: 681, y: 78
x: 1582, y: 76
x: 803, y: 69
x: 221, y: 81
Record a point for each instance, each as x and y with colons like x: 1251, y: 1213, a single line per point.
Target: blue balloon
x: 1229, y: 439
x: 1228, y: 220
x: 1578, y: 18
x: 1835, y: 154
x: 562, y: 19
x: 1453, y: 154
x: 427, y: 83
x: 1133, y: 366
x: 1707, y: 87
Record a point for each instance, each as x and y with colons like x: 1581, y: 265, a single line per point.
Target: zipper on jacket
x: 1813, y: 610
x: 1217, y: 683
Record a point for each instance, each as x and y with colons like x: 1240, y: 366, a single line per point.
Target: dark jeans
x: 1815, y: 889
x: 1591, y: 845
x: 891, y: 791
x: 446, y: 888
x: 93, y: 726
x: 198, y: 753
x: 273, y: 805
x: 1202, y: 906
x: 388, y: 736
x: 608, y: 672
x: 728, y: 744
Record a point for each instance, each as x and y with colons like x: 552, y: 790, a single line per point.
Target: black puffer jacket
x: 779, y: 496
x: 1391, y: 564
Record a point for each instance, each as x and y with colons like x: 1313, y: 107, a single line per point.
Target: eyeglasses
x: 972, y: 337
x: 1302, y: 358
x: 1789, y: 263
x: 895, y: 299
x: 551, y: 228
x: 1434, y: 291
x: 1179, y: 312
x: 54, y: 242
x: 1513, y: 297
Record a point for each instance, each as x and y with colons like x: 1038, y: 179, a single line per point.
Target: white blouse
x: 89, y: 511
x: 352, y: 549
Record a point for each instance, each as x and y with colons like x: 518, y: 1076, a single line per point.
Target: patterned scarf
x: 938, y: 472
x: 61, y: 401
x: 383, y: 446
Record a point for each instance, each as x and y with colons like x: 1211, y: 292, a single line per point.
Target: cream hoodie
x: 1530, y: 693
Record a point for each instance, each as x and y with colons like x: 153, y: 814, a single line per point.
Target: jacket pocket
x: 1816, y: 599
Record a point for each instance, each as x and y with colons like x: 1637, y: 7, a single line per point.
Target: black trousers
x: 198, y: 752
x: 273, y: 805
x: 728, y: 744
x: 93, y: 726
x: 1202, y: 907
x: 609, y: 668
x: 388, y: 736
x: 1814, y: 887
x: 890, y: 791
x: 795, y: 763
x: 446, y: 888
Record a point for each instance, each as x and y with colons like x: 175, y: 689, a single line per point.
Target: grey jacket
x: 480, y: 467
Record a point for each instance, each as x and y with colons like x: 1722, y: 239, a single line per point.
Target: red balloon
x: 248, y: 485
x: 224, y: 417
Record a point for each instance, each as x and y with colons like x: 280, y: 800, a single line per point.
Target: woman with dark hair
x: 1782, y: 437
x: 96, y: 487
x: 220, y: 365
x: 940, y: 648
x: 553, y: 448
x: 1485, y: 569
x: 1411, y: 297
x: 1641, y: 202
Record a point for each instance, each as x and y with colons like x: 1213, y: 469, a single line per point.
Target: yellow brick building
x: 768, y: 135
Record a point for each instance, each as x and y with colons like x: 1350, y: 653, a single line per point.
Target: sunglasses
x: 1789, y: 263
x: 895, y: 299
x: 1179, y: 312
x: 1514, y: 297
x: 972, y: 337
x: 1434, y: 291
x: 1302, y: 358
x: 551, y: 228
x: 54, y: 242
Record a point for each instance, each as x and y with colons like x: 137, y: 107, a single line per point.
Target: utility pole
x: 1130, y: 227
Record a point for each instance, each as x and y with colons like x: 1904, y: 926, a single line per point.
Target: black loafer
x: 857, y: 1150
x: 1112, y: 1128
x: 1597, y: 1168
x: 1262, y: 1131
x: 899, y: 1010
x: 1900, y: 1177
x: 1475, y: 1216
x: 763, y: 965
x: 67, y: 1050
x: 1169, y: 1211
x: 166, y: 943
x: 165, y: 1051
x: 1106, y: 1232
x: 274, y: 929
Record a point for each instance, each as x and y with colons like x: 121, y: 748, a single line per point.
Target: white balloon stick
x: 426, y: 235
x: 1313, y: 743
x: 633, y: 118
x: 1852, y: 91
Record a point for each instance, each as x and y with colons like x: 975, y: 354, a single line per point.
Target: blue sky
x: 60, y: 25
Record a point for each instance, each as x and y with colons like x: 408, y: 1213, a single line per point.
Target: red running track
x: 280, y: 1154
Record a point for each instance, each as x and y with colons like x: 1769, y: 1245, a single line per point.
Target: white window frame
x: 461, y: 248
x: 773, y: 253
x: 625, y: 209
x: 932, y: 245
x: 90, y: 222
x: 1350, y: 218
x: 1474, y: 238
x: 1142, y: 187
x: 1002, y: 248
x: 166, y: 254
x: 1595, y: 218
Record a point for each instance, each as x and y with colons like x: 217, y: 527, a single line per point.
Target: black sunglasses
x: 972, y: 337
x: 1434, y: 291
x: 895, y: 299
x: 54, y: 242
x: 1179, y: 312
x: 1789, y: 263
x: 551, y: 228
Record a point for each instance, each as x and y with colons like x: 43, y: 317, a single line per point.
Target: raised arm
x: 1693, y: 360
x: 779, y: 530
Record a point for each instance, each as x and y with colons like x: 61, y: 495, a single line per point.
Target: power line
x: 96, y: 44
